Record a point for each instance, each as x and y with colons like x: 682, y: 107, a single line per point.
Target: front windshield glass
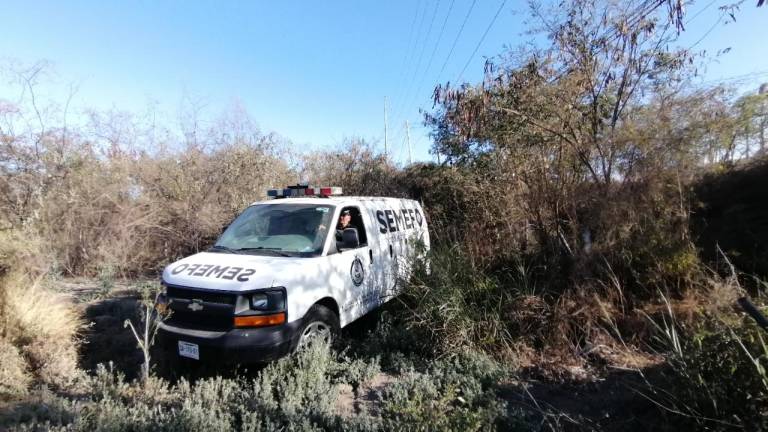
x: 278, y: 229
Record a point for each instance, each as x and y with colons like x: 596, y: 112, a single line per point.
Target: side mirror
x: 349, y: 239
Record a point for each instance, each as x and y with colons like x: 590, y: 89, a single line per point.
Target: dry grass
x: 38, y: 325
x: 14, y: 377
x: 130, y: 213
x: 42, y: 325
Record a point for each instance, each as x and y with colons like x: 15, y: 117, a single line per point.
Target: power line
x: 420, y: 86
x: 700, y: 12
x: 453, y: 46
x: 714, y: 26
x: 646, y: 8
x: 411, y: 48
x: 385, y: 128
x: 426, y: 39
x: 437, y: 44
x: 737, y: 77
x: 407, y: 95
x: 488, y: 29
x: 440, y: 36
x: 456, y: 40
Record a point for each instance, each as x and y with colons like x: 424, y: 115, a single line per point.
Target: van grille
x: 200, y: 321
x: 219, y: 317
x: 206, y: 296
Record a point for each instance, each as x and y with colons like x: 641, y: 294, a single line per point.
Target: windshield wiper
x: 217, y: 248
x: 274, y: 250
x: 258, y: 248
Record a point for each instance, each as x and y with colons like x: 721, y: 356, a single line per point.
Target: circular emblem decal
x: 357, y: 272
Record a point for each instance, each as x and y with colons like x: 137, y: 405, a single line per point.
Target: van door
x: 401, y: 224
x: 386, y: 251
x: 352, y: 276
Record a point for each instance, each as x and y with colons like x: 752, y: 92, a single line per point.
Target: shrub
x: 39, y: 324
x: 717, y: 377
x: 354, y: 166
x: 454, y: 305
x: 455, y: 394
x: 42, y: 324
x: 457, y: 305
x: 297, y: 393
x: 14, y: 378
x: 298, y: 389
x: 105, y: 202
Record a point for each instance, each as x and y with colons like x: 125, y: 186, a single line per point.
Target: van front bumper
x: 236, y: 346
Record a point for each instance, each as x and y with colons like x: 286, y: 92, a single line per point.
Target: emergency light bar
x: 304, y: 191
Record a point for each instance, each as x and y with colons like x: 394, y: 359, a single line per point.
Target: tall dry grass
x: 127, y: 209
x: 115, y: 197
x: 38, y: 326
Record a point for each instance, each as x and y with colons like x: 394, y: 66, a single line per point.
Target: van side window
x: 356, y: 221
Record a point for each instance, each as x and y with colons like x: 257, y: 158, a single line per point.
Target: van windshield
x: 277, y: 230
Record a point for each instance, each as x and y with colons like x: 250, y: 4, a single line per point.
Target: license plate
x: 189, y: 350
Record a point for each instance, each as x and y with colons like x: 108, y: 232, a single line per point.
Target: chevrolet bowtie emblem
x: 196, y: 305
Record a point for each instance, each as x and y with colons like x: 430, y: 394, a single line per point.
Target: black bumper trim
x: 236, y: 346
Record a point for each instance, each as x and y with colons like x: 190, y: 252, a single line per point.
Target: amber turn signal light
x: 260, y: 320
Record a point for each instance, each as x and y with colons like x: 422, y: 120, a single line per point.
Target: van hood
x: 231, y: 272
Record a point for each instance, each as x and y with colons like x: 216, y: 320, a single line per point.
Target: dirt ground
x: 619, y: 401
x: 106, y: 338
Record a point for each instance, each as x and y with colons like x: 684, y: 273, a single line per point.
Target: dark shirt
x: 340, y: 230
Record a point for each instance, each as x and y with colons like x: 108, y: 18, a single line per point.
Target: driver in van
x: 345, y: 221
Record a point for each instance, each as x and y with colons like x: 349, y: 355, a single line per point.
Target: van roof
x: 335, y: 200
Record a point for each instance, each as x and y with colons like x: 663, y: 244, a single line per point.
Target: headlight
x: 261, y: 308
x: 259, y: 301
x: 271, y: 300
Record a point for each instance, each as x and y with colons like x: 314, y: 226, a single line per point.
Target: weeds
x: 14, y: 376
x: 457, y: 306
x: 106, y: 281
x: 717, y: 373
x: 150, y: 321
x: 296, y: 393
x: 42, y: 326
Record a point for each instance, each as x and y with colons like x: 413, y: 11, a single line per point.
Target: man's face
x: 344, y: 219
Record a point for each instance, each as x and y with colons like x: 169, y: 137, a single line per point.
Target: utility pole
x: 408, y: 140
x: 386, y: 144
x: 763, y: 115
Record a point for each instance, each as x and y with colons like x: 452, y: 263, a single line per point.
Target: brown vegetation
x: 38, y: 326
x: 561, y: 227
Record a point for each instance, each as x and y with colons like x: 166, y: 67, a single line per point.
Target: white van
x: 282, y: 274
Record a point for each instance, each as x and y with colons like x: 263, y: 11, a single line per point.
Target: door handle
x: 390, y: 251
x: 370, y: 254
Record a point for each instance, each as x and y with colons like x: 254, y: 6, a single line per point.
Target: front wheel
x: 320, y: 325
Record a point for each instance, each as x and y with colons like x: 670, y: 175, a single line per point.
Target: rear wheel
x: 320, y: 325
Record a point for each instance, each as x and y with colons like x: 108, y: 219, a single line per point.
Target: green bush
x: 453, y: 394
x: 717, y: 377
x: 298, y: 393
x: 453, y: 305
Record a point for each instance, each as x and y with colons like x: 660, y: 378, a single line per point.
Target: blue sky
x: 314, y: 72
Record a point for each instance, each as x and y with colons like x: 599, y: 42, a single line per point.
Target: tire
x: 318, y: 322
